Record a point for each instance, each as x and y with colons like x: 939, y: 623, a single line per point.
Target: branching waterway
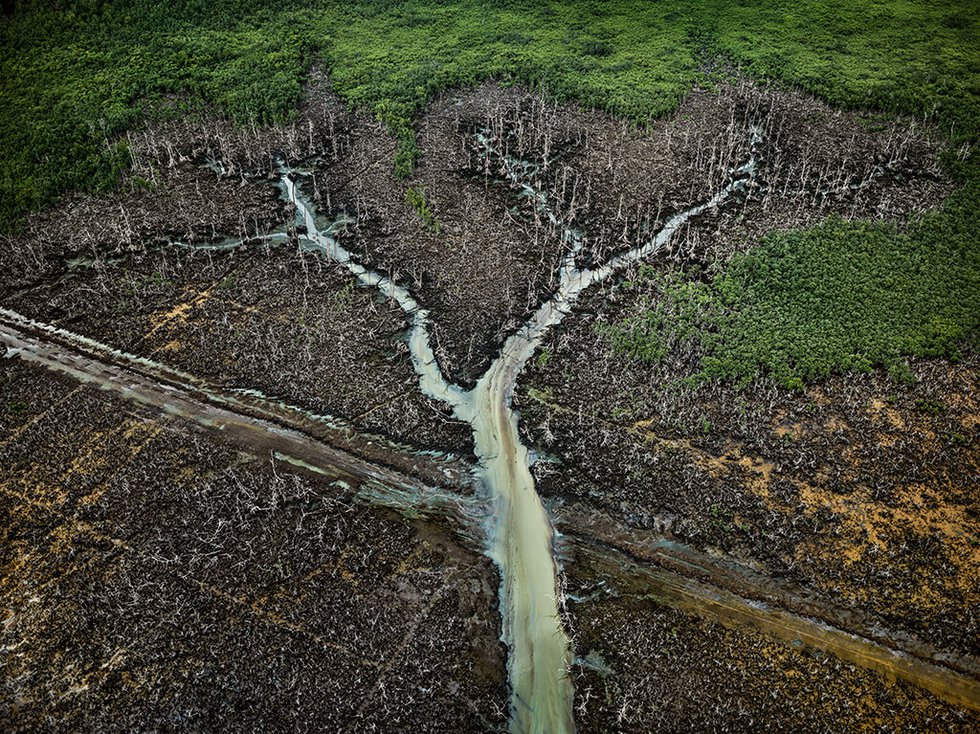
x: 519, y: 532
x: 265, y: 426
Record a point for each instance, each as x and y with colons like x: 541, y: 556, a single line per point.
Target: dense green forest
x: 842, y: 295
x: 76, y: 74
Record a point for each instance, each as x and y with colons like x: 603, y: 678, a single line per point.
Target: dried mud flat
x: 168, y: 574
x: 155, y: 579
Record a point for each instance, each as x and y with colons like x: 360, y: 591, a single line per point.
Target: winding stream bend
x: 519, y: 532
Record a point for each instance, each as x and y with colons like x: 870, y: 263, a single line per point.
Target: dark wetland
x: 510, y: 406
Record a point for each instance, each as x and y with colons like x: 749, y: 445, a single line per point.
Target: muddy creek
x: 519, y: 532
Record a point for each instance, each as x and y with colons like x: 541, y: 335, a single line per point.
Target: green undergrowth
x: 75, y: 74
x: 840, y: 296
x: 415, y: 198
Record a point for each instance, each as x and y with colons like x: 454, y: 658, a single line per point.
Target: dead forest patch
x: 858, y: 488
x: 154, y: 577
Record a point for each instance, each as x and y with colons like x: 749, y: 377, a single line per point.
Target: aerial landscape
x: 490, y: 366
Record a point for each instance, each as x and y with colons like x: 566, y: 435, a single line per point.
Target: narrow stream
x: 519, y: 532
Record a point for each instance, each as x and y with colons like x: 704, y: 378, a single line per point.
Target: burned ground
x: 646, y: 667
x: 451, y: 232
x: 619, y: 183
x: 153, y: 578
x: 187, y: 203
x: 264, y: 317
x: 259, y: 317
x: 860, y: 487
x: 481, y: 255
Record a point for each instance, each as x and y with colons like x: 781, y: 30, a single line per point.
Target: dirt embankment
x: 646, y: 666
